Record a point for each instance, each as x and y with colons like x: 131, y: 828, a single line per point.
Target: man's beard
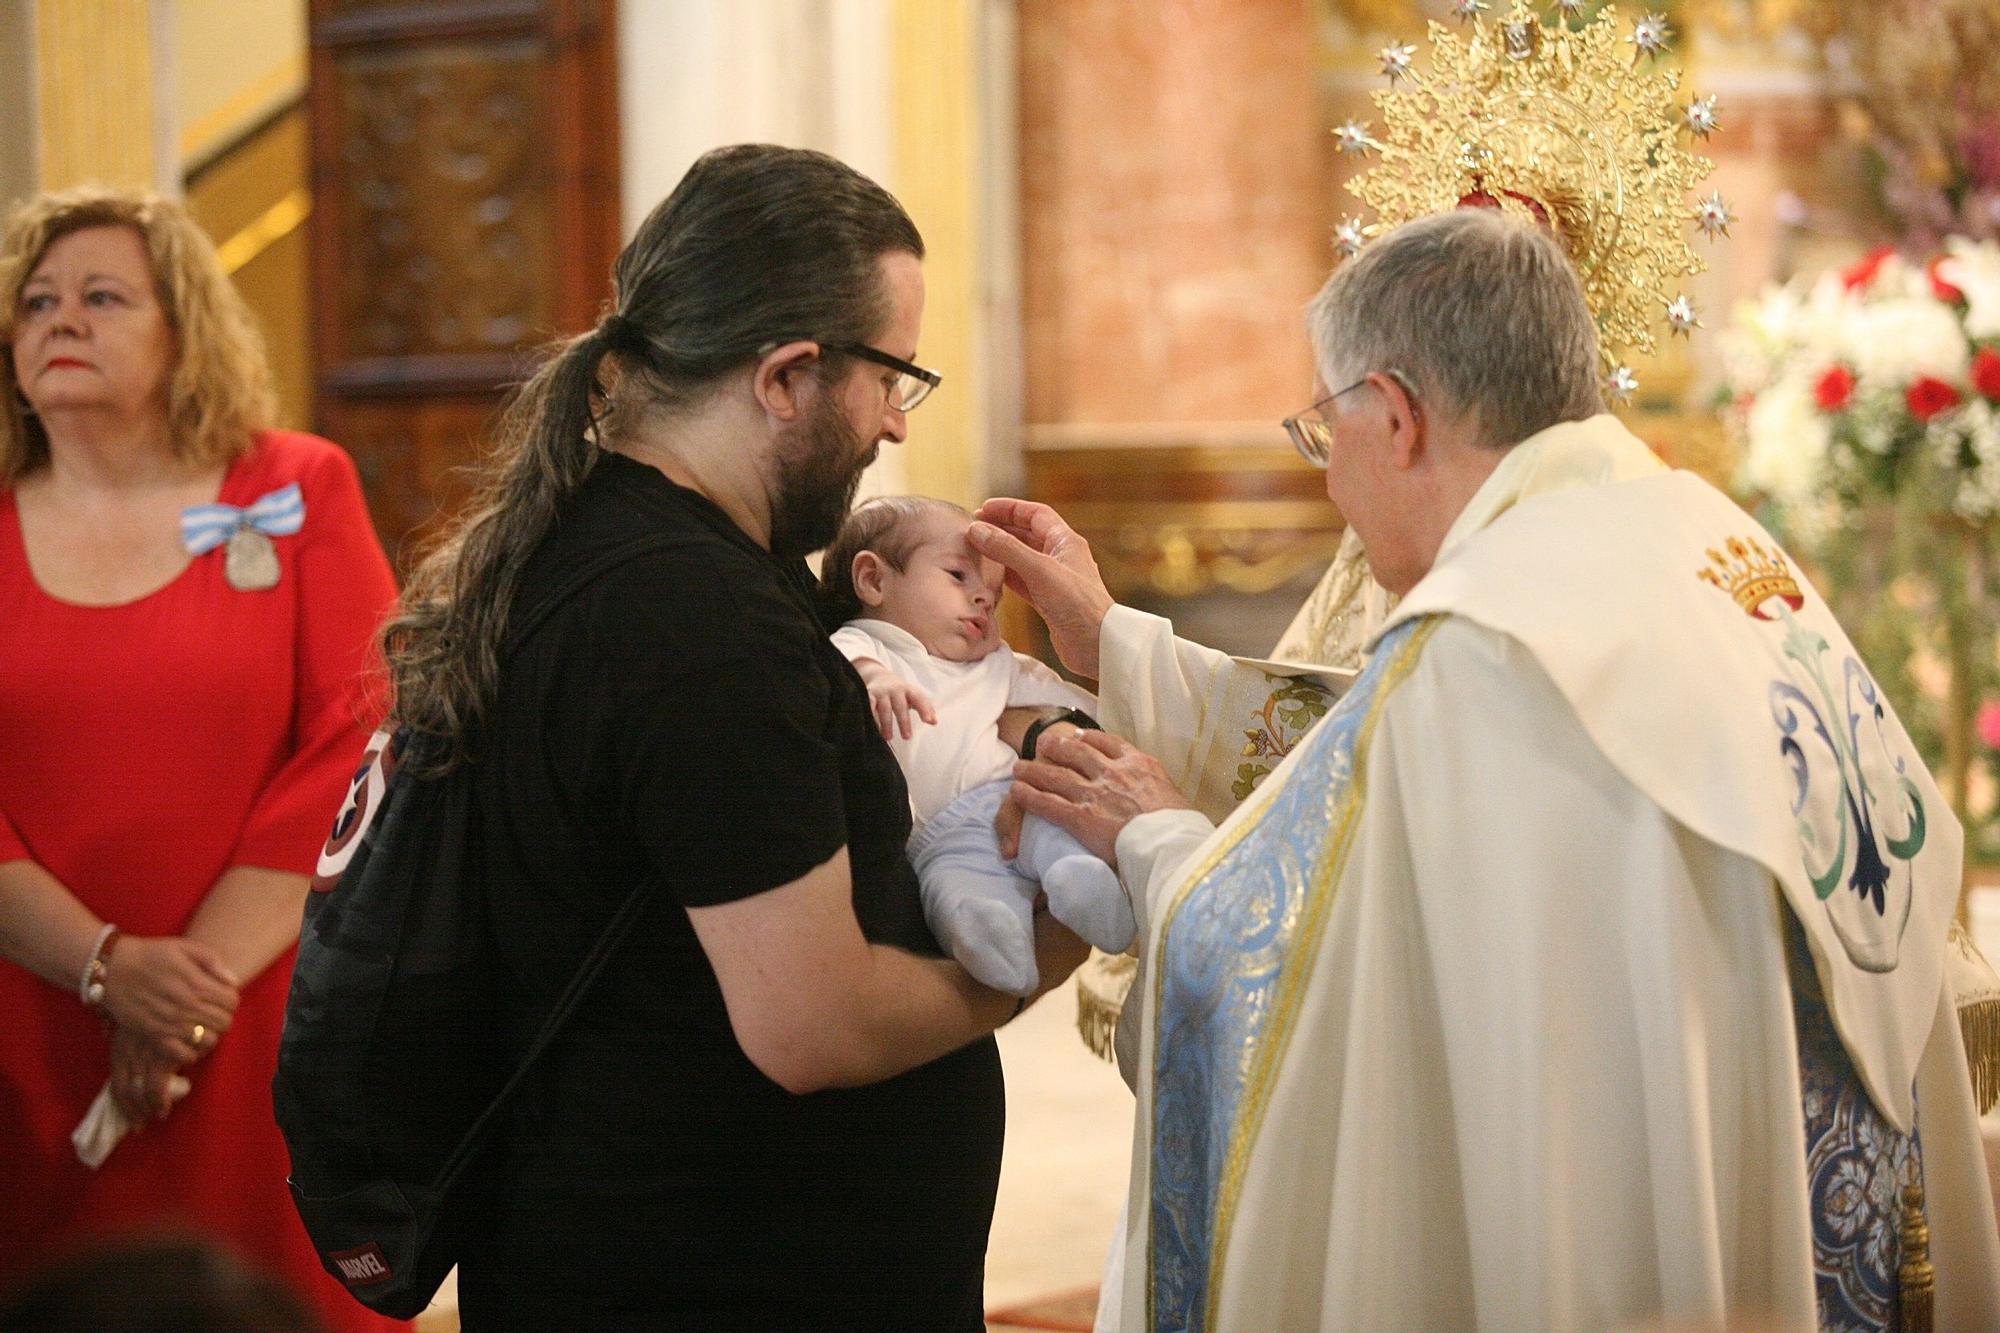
x: 819, y: 463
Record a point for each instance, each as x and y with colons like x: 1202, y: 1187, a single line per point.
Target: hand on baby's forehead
x: 951, y: 543
x: 991, y: 572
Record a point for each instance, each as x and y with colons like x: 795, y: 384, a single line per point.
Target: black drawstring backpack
x: 391, y: 1078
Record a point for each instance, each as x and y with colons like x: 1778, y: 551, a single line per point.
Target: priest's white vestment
x: 1583, y: 966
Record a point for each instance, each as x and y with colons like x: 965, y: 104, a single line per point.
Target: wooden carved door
x: 465, y: 173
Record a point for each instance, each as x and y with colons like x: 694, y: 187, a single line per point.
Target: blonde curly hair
x: 220, y: 392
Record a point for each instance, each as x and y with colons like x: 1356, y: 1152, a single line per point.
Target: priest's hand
x: 1093, y: 784
x: 1051, y: 566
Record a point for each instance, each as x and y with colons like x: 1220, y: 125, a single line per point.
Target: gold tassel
x: 1098, y: 1025
x: 1975, y: 992
x: 1917, y: 1279
x: 1101, y: 985
x: 1979, y: 1024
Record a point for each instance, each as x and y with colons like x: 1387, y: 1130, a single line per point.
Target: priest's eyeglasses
x: 913, y: 383
x: 1312, y: 433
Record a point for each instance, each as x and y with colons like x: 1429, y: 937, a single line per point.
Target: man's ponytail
x: 442, y: 647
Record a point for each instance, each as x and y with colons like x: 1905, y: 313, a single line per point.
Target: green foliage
x: 1914, y: 589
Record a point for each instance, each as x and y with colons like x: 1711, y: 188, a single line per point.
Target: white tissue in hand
x: 103, y: 1125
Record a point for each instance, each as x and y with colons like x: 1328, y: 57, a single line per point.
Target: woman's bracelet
x: 90, y: 986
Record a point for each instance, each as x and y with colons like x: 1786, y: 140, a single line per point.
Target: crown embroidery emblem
x: 1752, y: 575
x: 1858, y: 808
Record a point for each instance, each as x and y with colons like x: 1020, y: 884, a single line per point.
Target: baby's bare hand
x: 895, y: 702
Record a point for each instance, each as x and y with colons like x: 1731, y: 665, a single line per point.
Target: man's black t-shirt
x: 685, y: 720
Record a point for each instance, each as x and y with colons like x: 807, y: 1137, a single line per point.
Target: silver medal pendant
x: 250, y: 561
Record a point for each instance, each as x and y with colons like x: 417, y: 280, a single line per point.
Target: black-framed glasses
x: 913, y: 383
x: 1312, y: 433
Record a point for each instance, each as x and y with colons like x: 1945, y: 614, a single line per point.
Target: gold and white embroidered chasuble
x: 1482, y: 1011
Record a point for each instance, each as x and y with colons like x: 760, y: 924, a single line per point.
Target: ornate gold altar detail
x: 1177, y: 511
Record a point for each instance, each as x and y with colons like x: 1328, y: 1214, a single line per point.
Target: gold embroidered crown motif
x: 1752, y: 574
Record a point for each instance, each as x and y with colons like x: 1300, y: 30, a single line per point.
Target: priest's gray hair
x: 1480, y: 311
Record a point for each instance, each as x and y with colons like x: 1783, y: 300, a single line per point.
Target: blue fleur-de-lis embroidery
x: 1856, y: 847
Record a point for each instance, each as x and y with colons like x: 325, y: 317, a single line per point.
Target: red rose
x: 1863, y: 272
x: 1834, y: 388
x: 1944, y: 291
x: 1986, y: 373
x: 1927, y: 397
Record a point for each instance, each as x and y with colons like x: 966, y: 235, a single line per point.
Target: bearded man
x: 779, y: 1106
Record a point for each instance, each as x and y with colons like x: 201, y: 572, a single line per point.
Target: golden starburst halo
x: 1564, y: 123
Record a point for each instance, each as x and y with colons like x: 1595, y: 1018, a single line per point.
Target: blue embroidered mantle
x: 1857, y: 1166
x: 1237, y: 947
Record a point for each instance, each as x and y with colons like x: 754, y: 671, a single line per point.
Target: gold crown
x: 1548, y: 119
x: 1752, y: 575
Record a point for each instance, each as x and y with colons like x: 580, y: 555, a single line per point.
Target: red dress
x: 144, y: 749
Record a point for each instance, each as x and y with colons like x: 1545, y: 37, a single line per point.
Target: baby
x: 920, y: 608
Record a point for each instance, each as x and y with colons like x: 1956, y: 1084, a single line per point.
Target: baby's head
x: 905, y: 559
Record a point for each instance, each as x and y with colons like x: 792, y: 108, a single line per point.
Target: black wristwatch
x: 1076, y: 717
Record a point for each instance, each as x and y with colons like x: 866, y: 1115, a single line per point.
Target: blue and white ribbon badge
x: 279, y: 513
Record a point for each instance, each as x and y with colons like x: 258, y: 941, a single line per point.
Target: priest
x: 1585, y: 964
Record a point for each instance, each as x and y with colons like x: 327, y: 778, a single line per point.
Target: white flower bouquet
x: 1867, y: 404
x: 1872, y: 383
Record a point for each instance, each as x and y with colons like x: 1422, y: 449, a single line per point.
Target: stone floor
x: 1069, y: 1153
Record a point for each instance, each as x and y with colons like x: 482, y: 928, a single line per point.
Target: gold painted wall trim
x: 266, y: 229
x: 936, y: 99
x: 1177, y: 458
x: 94, y: 87
x: 276, y: 88
x: 1041, y: 435
x: 1249, y: 515
x: 1177, y: 567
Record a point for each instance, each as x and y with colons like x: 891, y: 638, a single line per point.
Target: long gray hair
x: 756, y: 245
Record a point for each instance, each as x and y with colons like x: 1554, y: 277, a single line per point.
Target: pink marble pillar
x: 1176, y: 209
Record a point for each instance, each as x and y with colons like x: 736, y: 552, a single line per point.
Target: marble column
x: 955, y: 173
x: 100, y: 88
x: 913, y: 93
x: 19, y: 146
x: 697, y: 74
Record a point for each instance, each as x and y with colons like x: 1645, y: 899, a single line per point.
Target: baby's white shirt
x: 964, y: 749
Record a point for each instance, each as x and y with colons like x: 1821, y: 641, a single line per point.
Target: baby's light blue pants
x: 981, y: 906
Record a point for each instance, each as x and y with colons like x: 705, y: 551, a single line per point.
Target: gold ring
x: 200, y: 1031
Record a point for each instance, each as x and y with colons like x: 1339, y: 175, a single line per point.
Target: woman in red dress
x: 187, y: 603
